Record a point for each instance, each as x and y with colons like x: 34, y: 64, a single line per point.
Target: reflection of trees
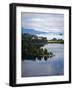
x: 39, y: 57
x: 33, y: 58
x: 45, y: 58
x: 28, y: 57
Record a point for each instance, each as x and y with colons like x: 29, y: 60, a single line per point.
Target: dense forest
x: 31, y: 47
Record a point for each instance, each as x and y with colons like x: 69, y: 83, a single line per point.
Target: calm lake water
x: 51, y: 67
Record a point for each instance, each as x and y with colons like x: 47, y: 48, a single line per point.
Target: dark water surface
x: 51, y: 67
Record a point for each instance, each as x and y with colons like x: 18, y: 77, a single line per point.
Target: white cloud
x: 43, y: 22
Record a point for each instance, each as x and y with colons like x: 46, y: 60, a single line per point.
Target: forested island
x: 31, y: 47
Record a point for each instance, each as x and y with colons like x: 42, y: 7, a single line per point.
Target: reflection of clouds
x: 37, y: 68
x: 43, y: 22
x: 57, y: 49
x: 42, y: 68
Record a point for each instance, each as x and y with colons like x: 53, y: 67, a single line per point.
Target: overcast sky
x: 43, y: 22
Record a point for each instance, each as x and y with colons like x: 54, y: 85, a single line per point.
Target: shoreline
x: 56, y: 41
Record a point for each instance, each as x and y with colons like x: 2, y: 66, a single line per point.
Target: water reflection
x: 34, y: 66
x: 40, y: 57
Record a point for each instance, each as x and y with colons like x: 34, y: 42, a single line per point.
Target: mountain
x: 32, y: 31
x: 35, y: 32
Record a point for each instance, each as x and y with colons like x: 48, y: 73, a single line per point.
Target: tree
x: 45, y: 51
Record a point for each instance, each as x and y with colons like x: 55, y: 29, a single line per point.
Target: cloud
x: 43, y: 22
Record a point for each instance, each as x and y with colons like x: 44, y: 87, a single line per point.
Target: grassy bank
x: 56, y: 41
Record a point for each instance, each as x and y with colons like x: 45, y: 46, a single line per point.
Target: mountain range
x: 32, y: 32
x: 35, y: 32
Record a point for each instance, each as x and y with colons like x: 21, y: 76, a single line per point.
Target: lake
x: 53, y: 66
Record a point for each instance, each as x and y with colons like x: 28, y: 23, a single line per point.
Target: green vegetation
x: 57, y: 41
x: 54, y: 40
x: 31, y: 47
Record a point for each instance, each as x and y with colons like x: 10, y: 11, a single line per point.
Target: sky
x: 51, y: 23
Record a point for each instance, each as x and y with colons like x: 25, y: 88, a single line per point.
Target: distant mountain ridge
x: 32, y: 32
